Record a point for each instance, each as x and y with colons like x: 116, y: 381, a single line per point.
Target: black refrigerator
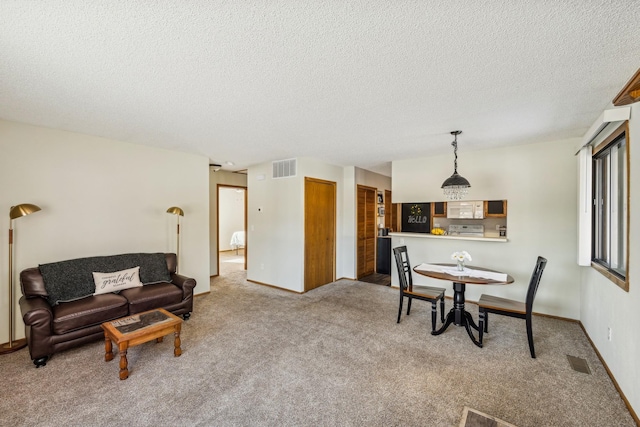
x: 383, y: 255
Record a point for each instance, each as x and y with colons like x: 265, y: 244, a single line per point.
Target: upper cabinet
x: 438, y: 209
x: 495, y: 208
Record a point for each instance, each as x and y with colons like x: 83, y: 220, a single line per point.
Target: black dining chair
x: 507, y: 307
x: 408, y: 290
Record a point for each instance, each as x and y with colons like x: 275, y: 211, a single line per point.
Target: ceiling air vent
x: 284, y: 168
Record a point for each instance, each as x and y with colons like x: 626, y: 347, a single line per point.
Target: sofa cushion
x: 89, y: 311
x: 152, y: 296
x: 116, y: 281
x: 73, y: 279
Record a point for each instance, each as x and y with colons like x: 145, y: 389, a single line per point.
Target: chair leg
x: 442, y: 309
x: 530, y: 337
x: 400, y: 308
x: 481, y: 325
x: 434, y: 315
x: 409, y: 306
x: 486, y: 321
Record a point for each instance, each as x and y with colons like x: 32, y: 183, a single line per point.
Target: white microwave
x: 468, y: 209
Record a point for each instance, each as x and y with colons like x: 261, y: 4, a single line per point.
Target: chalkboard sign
x: 415, y: 217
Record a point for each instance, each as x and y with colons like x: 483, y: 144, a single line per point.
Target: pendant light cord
x: 455, y: 153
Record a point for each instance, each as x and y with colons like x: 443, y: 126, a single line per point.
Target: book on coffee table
x: 139, y: 321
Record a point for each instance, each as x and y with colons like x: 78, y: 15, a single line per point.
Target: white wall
x: 604, y: 305
x: 347, y: 260
x: 98, y: 197
x: 215, y: 178
x: 372, y: 179
x: 539, y: 182
x: 276, y: 223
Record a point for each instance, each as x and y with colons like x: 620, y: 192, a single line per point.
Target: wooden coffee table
x: 137, y: 329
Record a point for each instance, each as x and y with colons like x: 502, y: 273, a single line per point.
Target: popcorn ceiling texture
x: 348, y: 82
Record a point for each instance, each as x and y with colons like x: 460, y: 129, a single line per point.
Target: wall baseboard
x: 274, y: 287
x: 613, y: 379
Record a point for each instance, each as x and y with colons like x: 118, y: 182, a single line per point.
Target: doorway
x: 232, y: 227
x: 366, y: 230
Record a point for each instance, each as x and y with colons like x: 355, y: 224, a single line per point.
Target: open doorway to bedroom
x: 232, y: 226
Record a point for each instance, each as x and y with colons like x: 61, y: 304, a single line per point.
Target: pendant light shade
x: 456, y: 186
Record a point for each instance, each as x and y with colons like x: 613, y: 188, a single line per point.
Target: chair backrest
x: 404, y: 267
x: 535, y: 281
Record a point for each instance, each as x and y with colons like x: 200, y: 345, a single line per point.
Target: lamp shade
x: 175, y: 211
x: 456, y: 180
x: 22, y: 210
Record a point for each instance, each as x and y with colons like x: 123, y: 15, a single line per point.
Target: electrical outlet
x: 609, y: 333
x: 402, y: 241
x: 261, y: 266
x: 497, y: 227
x: 436, y: 225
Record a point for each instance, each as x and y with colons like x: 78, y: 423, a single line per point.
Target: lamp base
x: 16, y: 345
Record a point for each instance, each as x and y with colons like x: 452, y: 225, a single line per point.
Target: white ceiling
x: 357, y: 83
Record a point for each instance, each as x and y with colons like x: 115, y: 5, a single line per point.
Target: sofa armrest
x: 38, y: 319
x: 36, y: 312
x: 185, y: 283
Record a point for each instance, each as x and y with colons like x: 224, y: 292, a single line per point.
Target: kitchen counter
x: 485, y: 238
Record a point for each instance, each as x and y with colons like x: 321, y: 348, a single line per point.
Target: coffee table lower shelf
x: 137, y: 329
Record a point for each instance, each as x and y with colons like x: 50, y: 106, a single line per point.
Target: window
x: 610, y: 241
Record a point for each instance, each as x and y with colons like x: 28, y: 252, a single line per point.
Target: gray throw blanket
x: 73, y: 279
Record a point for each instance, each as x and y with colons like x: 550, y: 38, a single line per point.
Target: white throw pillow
x: 117, y: 281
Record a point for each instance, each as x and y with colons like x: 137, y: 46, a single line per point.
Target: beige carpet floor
x: 258, y: 356
x: 231, y: 261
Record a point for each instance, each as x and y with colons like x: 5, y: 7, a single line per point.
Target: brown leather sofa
x: 53, y: 328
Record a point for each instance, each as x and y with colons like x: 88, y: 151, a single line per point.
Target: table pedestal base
x: 458, y: 315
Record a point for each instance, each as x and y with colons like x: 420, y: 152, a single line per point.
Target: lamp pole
x: 14, y: 212
x: 175, y: 210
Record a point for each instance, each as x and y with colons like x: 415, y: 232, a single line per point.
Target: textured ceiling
x: 348, y: 82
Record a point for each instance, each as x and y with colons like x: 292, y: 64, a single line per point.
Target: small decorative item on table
x: 460, y: 258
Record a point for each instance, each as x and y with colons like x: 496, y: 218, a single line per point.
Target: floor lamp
x: 15, y: 212
x: 174, y: 210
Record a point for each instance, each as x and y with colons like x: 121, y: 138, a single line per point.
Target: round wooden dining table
x: 458, y: 315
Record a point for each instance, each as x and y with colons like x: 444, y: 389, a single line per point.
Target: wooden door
x: 319, y: 232
x: 366, y: 226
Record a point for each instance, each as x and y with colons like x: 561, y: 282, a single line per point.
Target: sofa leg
x: 41, y: 361
x: 186, y: 316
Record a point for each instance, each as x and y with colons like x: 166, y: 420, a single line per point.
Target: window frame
x: 599, y: 265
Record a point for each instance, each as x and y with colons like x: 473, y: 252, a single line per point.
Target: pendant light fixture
x: 455, y: 187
